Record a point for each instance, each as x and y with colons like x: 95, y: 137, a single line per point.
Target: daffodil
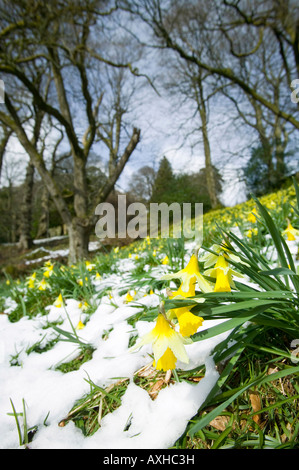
x: 168, y: 345
x: 165, y: 260
x: 252, y: 231
x: 291, y: 232
x: 89, y: 265
x: 223, y: 274
x: 130, y: 297
x: 43, y: 285
x: 31, y: 281
x: 188, y: 322
x: 209, y: 259
x: 49, y: 269
x: 80, y: 325
x: 98, y: 276
x: 83, y: 305
x: 190, y: 274
x: 31, y: 284
x: 252, y: 216
x: 59, y: 301
x: 80, y: 281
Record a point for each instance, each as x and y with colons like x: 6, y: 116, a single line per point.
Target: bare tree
x: 63, y: 41
x: 238, y: 29
x: 142, y: 182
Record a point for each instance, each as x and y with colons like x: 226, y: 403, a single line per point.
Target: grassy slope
x: 262, y: 416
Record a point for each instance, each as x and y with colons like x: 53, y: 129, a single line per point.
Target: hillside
x: 95, y: 355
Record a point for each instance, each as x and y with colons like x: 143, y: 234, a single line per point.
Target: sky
x: 159, y: 120
x: 160, y: 137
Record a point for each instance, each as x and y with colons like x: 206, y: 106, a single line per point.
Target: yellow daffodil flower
x: 252, y: 216
x: 59, y: 301
x: 223, y: 274
x: 130, y: 297
x: 291, y: 232
x: 209, y: 259
x: 80, y: 325
x: 83, y: 305
x: 43, y: 285
x: 48, y: 271
x: 31, y: 284
x: 98, y: 276
x: 188, y: 274
x: 165, y: 260
x: 89, y: 265
x: 188, y: 322
x: 252, y: 231
x: 168, y: 345
x: 31, y: 281
x: 80, y: 281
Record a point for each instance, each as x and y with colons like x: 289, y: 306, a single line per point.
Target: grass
x: 75, y: 364
x: 264, y: 416
x: 88, y: 412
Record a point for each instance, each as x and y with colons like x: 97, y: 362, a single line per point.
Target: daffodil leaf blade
x: 278, y: 272
x: 227, y: 325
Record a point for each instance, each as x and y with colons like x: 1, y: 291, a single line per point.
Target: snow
x: 52, y: 254
x: 140, y: 422
x: 51, y: 394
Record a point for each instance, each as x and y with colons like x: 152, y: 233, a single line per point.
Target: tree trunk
x: 208, y: 161
x: 43, y: 224
x: 279, y: 154
x: 25, y: 240
x: 78, y: 241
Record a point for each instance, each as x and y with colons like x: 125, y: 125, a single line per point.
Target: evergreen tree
x: 164, y: 187
x: 261, y: 174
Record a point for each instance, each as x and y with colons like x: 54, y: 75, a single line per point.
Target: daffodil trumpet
x: 188, y: 322
x: 290, y: 232
x: 223, y: 274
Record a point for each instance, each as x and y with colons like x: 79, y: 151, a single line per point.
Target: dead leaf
x: 168, y: 376
x: 155, y: 389
x: 146, y: 371
x: 272, y: 370
x: 220, y: 422
x: 196, y: 379
x: 256, y: 404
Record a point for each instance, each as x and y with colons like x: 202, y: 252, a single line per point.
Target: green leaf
x: 278, y: 271
x: 17, y: 423
x: 275, y: 234
x: 229, y: 324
